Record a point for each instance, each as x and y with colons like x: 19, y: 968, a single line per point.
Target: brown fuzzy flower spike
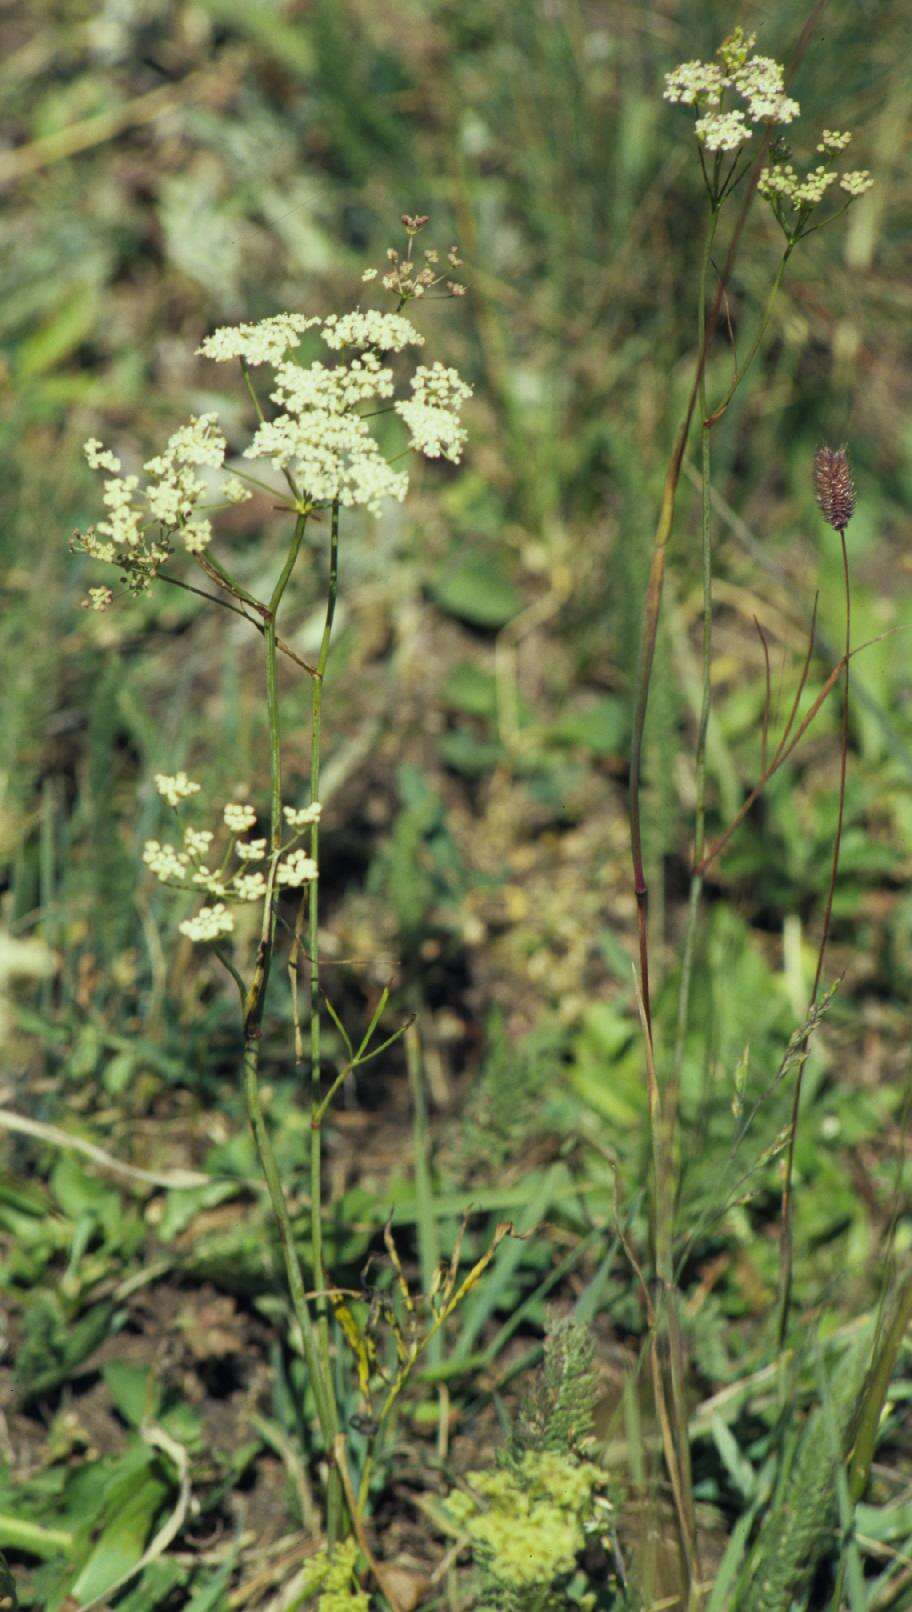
x: 834, y: 486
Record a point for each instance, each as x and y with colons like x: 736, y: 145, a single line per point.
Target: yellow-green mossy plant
x: 329, y: 1577
x: 528, y: 1523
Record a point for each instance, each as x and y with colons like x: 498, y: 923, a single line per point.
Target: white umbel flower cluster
x: 432, y: 412
x: 722, y: 131
x: 297, y: 869
x: 175, y: 787
x: 321, y: 435
x: 856, y: 182
x: 265, y: 342
x: 141, y: 521
x: 757, y: 80
x: 793, y: 196
x: 302, y: 816
x: 173, y: 498
x: 388, y: 332
x: 833, y: 140
x: 210, y: 923
x: 189, y: 865
x: 239, y: 817
x: 785, y: 182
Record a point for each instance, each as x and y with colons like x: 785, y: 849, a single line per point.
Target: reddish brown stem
x: 653, y: 601
x: 786, y: 1240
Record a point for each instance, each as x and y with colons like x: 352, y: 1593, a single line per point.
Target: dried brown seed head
x: 834, y: 486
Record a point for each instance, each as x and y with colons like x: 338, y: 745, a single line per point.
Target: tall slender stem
x: 254, y: 1001
x: 786, y: 1237
x: 696, y: 882
x: 313, y: 933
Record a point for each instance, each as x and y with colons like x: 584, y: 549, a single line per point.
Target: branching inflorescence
x: 733, y: 98
x: 324, y: 451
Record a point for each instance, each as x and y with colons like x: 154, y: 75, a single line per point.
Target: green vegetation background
x: 173, y: 167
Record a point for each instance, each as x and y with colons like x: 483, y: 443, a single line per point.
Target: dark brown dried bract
x: 834, y: 486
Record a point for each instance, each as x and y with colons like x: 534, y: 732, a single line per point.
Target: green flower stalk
x: 737, y: 95
x: 317, y: 441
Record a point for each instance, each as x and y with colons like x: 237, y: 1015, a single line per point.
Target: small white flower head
x: 833, y: 140
x: 98, y: 599
x: 694, y: 82
x: 722, y: 131
x: 297, y: 869
x: 758, y: 80
x: 251, y: 850
x: 210, y: 923
x: 369, y: 274
x: 239, y: 817
x: 234, y: 491
x: 265, y: 342
x: 175, y: 787
x: 302, y: 816
x: 248, y: 886
x: 197, y: 841
x: 197, y: 535
x: 431, y: 413
x: 388, y: 332
x: 761, y: 82
x: 165, y: 861
x: 856, y: 182
x: 209, y: 881
x: 101, y: 458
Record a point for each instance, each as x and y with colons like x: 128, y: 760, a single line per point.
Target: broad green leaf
x: 477, y: 591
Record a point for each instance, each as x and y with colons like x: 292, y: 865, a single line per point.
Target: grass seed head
x: 834, y: 487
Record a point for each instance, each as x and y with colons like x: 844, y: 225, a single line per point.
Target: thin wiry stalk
x: 653, y: 601
x: 311, y: 902
x: 767, y: 697
x: 786, y: 1239
x: 254, y: 1000
x: 696, y: 881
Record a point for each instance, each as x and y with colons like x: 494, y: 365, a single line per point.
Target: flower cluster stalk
x: 762, y: 85
x: 786, y: 1235
x: 311, y: 901
x: 254, y: 1000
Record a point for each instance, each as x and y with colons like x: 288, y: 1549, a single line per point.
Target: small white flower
x: 249, y: 886
x: 390, y: 332
x: 761, y: 81
x: 369, y: 274
x: 210, y: 923
x: 833, y: 140
x: 431, y: 414
x: 265, y: 342
x: 301, y: 816
x: 722, y: 131
x: 690, y: 82
x: 197, y: 841
x: 165, y: 861
x: 101, y: 458
x: 297, y: 869
x: 235, y: 491
x: 813, y: 187
x: 856, y: 182
x: 207, y: 880
x: 239, y: 817
x: 197, y: 535
x: 251, y: 850
x: 98, y: 599
x: 175, y: 787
